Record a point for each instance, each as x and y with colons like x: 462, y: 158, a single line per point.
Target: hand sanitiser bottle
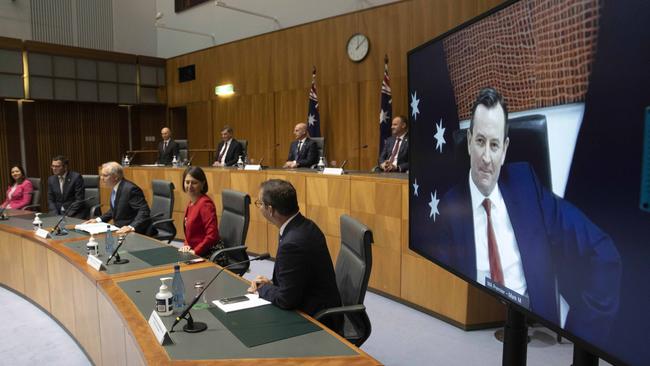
x: 164, y: 304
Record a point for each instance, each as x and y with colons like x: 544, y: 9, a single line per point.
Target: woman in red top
x: 19, y: 193
x: 201, y: 230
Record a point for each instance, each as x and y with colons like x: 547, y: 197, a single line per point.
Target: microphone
x: 120, y: 240
x: 196, y: 327
x: 57, y: 227
x: 342, y: 165
x: 189, y: 161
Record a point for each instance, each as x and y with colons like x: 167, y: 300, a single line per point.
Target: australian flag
x: 386, y: 108
x: 313, y: 117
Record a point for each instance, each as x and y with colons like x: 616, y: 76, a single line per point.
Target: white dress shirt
x: 287, y: 222
x: 513, y: 271
x: 399, y: 146
x: 224, y: 151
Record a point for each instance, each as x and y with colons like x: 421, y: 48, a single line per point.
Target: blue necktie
x: 112, y: 198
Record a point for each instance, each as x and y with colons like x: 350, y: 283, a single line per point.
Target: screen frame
x: 577, y: 341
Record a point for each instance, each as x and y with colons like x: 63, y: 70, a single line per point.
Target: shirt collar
x: 117, y: 185
x: 402, y: 136
x: 287, y: 222
x: 478, y: 197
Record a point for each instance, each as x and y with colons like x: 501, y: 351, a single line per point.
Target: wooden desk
x: 97, y: 313
x: 378, y: 200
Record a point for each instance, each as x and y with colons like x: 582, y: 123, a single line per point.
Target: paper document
x: 253, y: 302
x: 95, y: 228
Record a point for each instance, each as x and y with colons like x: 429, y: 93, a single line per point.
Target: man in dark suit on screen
x: 167, y: 148
x: 505, y: 230
x: 65, y: 189
x: 394, y: 157
x: 303, y: 152
x: 303, y: 275
x: 128, y: 208
x: 229, y: 150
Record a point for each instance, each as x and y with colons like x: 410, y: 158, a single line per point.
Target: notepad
x: 95, y: 228
x: 254, y: 301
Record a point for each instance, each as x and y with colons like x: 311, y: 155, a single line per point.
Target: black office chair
x: 183, y: 150
x: 162, y: 206
x: 35, y: 203
x: 353, y: 267
x: 244, y: 146
x: 528, y: 142
x: 320, y: 142
x: 91, y: 189
x: 233, y: 229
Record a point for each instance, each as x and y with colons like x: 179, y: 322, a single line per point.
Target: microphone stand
x: 120, y: 240
x: 3, y: 216
x: 56, y: 230
x: 196, y: 327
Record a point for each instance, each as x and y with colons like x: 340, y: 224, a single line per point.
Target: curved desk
x: 107, y: 312
x: 378, y: 200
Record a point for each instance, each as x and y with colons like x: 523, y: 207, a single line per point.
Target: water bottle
x: 178, y: 289
x: 240, y: 163
x: 110, y: 241
x: 62, y: 229
x: 321, y: 164
x: 175, y: 161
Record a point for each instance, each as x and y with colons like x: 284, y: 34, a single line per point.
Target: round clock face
x: 358, y: 47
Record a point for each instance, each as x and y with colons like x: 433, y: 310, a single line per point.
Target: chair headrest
x: 162, y: 187
x: 90, y: 181
x: 235, y: 201
x: 356, y: 235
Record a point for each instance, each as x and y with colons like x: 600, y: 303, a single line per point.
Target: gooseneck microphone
x: 196, y: 327
x: 57, y: 228
x: 120, y: 240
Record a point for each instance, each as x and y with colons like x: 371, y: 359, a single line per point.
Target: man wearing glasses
x: 303, y: 275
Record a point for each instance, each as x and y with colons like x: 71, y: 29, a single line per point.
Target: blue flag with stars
x: 386, y: 112
x: 313, y: 117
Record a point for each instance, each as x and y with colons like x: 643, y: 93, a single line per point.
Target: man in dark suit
x: 65, y: 189
x: 394, y: 157
x: 229, y: 149
x: 303, y: 152
x: 505, y: 230
x: 167, y: 148
x: 128, y: 208
x: 303, y: 275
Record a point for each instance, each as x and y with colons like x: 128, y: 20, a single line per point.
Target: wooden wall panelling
x: 290, y: 109
x: 339, y: 108
x: 112, y: 333
x: 330, y: 39
x: 257, y: 70
x: 104, y: 132
x: 86, y: 314
x: 389, y: 28
x: 200, y: 131
x: 37, y: 286
x: 378, y: 205
x: 292, y: 58
x: 60, y: 274
x: 11, y: 271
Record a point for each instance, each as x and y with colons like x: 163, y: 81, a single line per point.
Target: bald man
x: 303, y: 152
x: 167, y: 148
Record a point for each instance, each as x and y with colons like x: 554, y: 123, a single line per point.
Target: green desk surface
x: 218, y: 341
x: 25, y: 222
x: 141, y: 251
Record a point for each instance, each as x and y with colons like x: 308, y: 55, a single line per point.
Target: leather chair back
x: 163, y: 199
x: 244, y: 146
x: 35, y: 203
x: 233, y: 226
x: 183, y: 150
x: 91, y: 189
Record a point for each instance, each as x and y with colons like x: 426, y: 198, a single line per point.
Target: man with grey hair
x: 229, y: 150
x: 128, y: 208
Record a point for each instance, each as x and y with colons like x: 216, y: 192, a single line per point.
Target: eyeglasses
x: 259, y: 204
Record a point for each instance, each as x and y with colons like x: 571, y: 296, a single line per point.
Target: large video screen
x: 551, y: 209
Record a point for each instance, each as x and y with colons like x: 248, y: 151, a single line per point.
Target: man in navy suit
x: 303, y: 275
x: 503, y: 229
x: 303, y: 152
x: 229, y: 149
x: 65, y: 189
x: 167, y: 148
x: 128, y: 207
x: 394, y: 157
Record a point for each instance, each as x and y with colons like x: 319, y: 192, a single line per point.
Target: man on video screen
x: 505, y: 230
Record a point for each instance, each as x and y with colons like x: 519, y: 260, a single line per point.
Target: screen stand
x: 515, y: 338
x: 582, y: 357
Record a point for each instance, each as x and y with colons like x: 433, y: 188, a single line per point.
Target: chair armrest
x: 32, y: 207
x: 340, y: 310
x: 375, y: 169
x: 226, y: 250
x: 160, y: 222
x: 93, y: 210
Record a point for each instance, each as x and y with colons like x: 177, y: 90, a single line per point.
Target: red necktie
x: 395, y: 149
x: 496, y: 272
